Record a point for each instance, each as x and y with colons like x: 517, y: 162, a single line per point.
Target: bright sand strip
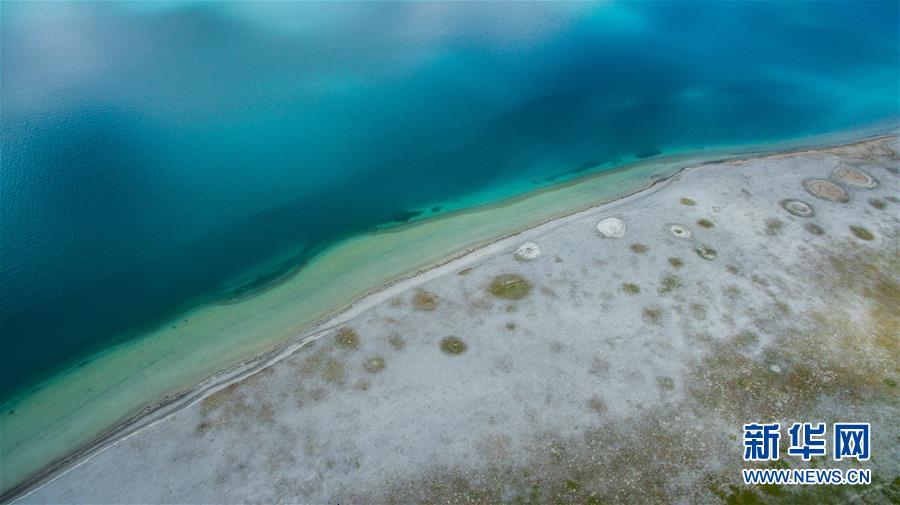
x: 81, y: 404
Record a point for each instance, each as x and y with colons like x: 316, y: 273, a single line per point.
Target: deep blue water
x: 159, y: 154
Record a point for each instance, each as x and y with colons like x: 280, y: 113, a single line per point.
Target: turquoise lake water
x: 159, y: 155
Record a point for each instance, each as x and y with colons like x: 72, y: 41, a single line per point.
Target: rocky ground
x: 591, y: 367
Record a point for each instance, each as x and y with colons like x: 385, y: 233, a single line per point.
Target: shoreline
x: 265, y: 412
x: 170, y: 404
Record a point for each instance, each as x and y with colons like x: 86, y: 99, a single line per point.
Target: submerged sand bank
x: 276, y: 315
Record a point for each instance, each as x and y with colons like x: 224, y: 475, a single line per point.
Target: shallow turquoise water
x: 158, y: 155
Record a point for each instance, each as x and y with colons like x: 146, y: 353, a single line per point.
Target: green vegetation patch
x: 861, y: 233
x: 423, y: 300
x: 688, y: 201
x: 220, y: 397
x: 453, y: 345
x: 732, y: 291
x: 232, y: 405
x: 597, y: 404
x: 876, y: 203
x: 669, y: 283
x: 631, y: 288
x: 510, y: 287
x: 698, y: 311
x: 814, y: 229
x: 652, y: 314
x: 706, y: 223
x: 746, y: 338
x: 334, y: 372
x: 665, y: 383
x: 774, y: 226
x: 347, y: 338
x: 571, y: 485
x: 639, y: 248
x: 676, y: 262
x: 397, y: 342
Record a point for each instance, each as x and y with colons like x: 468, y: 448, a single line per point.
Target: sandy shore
x: 616, y: 341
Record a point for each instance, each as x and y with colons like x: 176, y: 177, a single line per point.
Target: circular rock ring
x: 826, y: 190
x: 680, y: 231
x: 798, y: 208
x: 855, y: 176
